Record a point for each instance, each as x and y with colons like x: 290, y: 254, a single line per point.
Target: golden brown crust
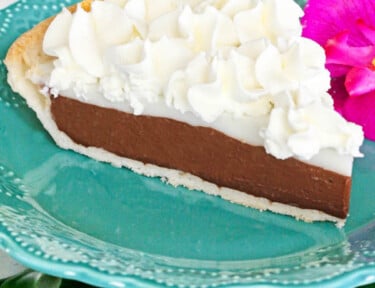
x: 27, y: 52
x: 86, y: 5
x: 27, y: 49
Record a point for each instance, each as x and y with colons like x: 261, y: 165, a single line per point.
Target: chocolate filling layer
x: 206, y: 153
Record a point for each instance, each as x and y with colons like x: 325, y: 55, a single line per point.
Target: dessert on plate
x: 223, y: 96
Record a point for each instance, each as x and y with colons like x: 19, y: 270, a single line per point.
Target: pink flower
x: 346, y: 30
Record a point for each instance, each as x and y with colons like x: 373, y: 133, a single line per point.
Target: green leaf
x: 301, y: 3
x: 30, y: 279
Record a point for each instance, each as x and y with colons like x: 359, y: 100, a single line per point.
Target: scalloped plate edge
x: 356, y: 277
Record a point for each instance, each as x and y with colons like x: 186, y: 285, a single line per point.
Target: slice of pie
x: 220, y: 96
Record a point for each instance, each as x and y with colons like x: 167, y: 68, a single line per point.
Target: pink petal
x: 324, y: 19
x: 339, y: 52
x: 367, y: 31
x: 338, y: 70
x: 361, y: 110
x: 338, y: 93
x: 360, y: 81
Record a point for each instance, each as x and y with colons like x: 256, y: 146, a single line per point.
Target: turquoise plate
x: 66, y: 215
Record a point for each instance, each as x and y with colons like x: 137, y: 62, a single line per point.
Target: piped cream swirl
x: 207, y: 57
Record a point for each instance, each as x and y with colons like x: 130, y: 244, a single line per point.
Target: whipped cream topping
x: 209, y: 58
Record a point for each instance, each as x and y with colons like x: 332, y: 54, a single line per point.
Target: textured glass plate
x: 70, y: 216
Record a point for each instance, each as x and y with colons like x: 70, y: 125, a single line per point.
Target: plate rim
x: 358, y: 276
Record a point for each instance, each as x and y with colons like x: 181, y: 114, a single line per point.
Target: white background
x: 5, y: 3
